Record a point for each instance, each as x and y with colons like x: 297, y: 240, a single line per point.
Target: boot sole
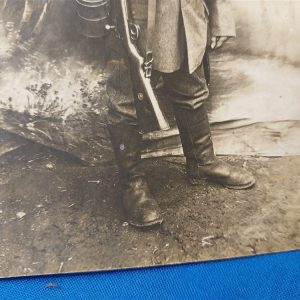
x: 146, y: 225
x: 240, y: 187
x: 231, y: 187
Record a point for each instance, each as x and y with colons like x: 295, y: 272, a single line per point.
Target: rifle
x: 140, y: 68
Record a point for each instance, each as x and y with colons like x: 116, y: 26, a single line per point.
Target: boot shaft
x: 126, y: 143
x: 195, y: 134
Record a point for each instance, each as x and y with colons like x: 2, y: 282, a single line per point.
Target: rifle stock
x: 142, y: 88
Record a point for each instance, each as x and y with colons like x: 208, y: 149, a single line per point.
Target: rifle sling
x: 150, y: 25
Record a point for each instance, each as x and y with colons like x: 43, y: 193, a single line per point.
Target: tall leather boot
x: 198, y: 148
x: 140, y: 208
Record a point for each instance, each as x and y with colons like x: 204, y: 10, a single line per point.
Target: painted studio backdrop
x: 53, y: 81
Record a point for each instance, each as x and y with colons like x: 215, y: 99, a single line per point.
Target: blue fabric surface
x: 275, y: 276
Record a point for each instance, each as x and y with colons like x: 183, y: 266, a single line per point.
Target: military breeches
x: 189, y: 91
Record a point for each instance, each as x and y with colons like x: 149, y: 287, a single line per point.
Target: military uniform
x: 178, y: 44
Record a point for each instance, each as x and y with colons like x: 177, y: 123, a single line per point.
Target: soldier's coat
x: 182, y: 26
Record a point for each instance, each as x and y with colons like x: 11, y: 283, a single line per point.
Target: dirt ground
x: 58, y: 215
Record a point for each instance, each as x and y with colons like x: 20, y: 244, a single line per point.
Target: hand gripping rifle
x: 140, y: 67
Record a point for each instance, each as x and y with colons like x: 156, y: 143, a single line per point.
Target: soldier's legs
x: 189, y: 93
x: 139, y: 206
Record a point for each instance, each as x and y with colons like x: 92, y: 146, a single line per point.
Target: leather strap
x: 148, y: 56
x: 150, y: 24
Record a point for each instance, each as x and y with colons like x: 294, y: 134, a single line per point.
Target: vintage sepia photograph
x: 137, y: 133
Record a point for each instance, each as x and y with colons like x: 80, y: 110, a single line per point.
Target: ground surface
x: 57, y: 215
